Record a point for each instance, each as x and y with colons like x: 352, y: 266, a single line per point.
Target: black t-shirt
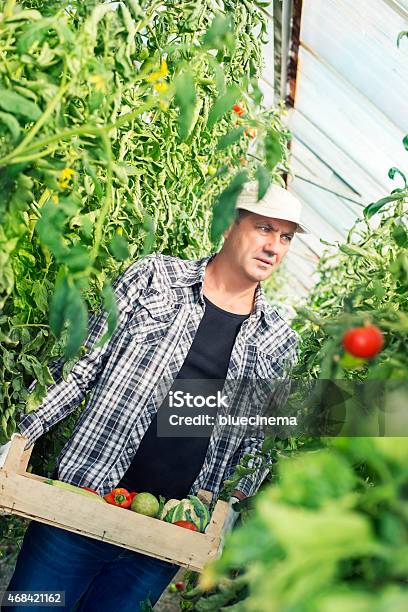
x: 168, y: 466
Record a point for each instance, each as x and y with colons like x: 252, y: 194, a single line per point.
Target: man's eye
x: 287, y: 238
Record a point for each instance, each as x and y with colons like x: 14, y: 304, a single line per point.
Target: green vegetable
x: 145, y: 503
x: 69, y: 487
x: 191, y: 509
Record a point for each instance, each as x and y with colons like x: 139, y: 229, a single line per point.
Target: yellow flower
x: 159, y: 74
x: 55, y: 198
x: 67, y: 173
x: 119, y: 230
x: 99, y: 82
x: 65, y: 177
x: 164, y: 105
x: 160, y: 87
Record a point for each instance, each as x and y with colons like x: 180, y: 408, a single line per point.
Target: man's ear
x: 227, y: 231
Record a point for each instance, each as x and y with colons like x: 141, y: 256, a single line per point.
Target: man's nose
x: 272, y: 245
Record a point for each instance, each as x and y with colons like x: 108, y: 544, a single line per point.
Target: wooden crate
x: 26, y: 495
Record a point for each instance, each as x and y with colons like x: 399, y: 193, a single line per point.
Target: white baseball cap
x: 277, y: 203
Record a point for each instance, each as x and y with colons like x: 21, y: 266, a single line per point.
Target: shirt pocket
x: 269, y: 366
x: 153, y: 318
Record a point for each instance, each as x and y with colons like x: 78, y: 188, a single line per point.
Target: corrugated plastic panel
x: 337, y: 159
x: 349, y: 118
x: 358, y: 40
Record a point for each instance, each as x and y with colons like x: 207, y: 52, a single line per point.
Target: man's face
x: 257, y: 244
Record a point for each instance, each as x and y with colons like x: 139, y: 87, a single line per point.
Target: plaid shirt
x: 160, y: 304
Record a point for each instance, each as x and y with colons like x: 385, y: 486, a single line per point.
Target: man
x: 203, y: 320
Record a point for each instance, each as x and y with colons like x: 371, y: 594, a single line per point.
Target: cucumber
x: 69, y: 487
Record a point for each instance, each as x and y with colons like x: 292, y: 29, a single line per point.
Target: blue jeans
x: 95, y: 575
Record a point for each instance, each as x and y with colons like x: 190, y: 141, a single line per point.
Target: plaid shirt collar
x: 195, y: 275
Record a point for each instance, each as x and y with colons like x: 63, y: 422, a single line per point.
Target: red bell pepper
x: 132, y: 495
x: 119, y: 497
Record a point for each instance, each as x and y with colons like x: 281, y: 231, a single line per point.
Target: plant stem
x: 8, y: 9
x: 30, y: 325
x: 42, y: 120
x: 78, y: 131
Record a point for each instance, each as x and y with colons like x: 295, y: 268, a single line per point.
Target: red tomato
x: 363, y: 342
x: 186, y: 525
x: 238, y: 110
x: 250, y: 133
x: 180, y: 586
x: 91, y: 490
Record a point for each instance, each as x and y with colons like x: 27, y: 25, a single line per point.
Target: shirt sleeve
x: 65, y: 395
x: 252, y: 444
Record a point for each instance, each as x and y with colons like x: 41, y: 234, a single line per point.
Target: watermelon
x: 191, y: 509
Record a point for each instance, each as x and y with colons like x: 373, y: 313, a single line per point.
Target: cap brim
x: 300, y: 229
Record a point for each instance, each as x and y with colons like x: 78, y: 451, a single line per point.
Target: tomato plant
x: 328, y: 523
x: 116, y: 138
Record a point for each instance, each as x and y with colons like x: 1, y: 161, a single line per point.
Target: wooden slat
x: 17, y: 456
x: 26, y: 496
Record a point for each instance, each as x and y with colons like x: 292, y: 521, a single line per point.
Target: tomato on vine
x: 363, y: 342
x: 238, y: 110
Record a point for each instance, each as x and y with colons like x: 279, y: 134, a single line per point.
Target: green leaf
x: 35, y: 32
x: 268, y: 444
x: 12, y: 124
x: 57, y: 307
x: 374, y: 207
x: 148, y: 226
x: 76, y: 258
x: 223, y: 104
x: 90, y: 170
x: 273, y: 149
x: 219, y: 75
x: 76, y: 314
x: 401, y: 36
x: 405, y: 142
x: 119, y: 247
x: 12, y: 102
x: 224, y: 208
x: 349, y: 362
x: 229, y: 138
x: 50, y: 228
x: 400, y: 236
x: 31, y: 15
x: 256, y: 94
x: 264, y: 178
x: 35, y: 398
x: 392, y: 172
x: 110, y: 306
x: 185, y: 98
x: 220, y: 33
x: 355, y: 250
